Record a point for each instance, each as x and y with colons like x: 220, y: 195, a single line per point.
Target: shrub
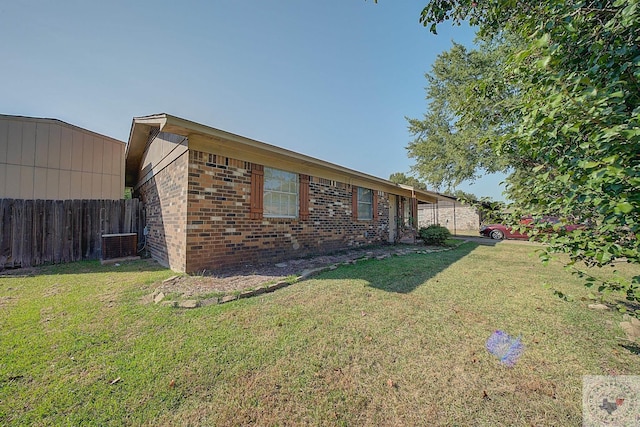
x: 434, y: 234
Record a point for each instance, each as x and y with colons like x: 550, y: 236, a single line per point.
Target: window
x: 281, y: 191
x: 365, y: 203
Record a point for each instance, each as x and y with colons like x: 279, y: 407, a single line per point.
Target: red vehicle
x: 501, y: 231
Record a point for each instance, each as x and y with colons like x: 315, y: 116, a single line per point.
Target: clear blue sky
x: 332, y: 79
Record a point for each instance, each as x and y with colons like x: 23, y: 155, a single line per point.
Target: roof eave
x: 142, y: 127
x: 138, y: 136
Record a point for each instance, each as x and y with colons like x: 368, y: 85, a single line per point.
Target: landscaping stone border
x: 158, y: 296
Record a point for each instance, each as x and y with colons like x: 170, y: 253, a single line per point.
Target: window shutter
x: 257, y: 191
x: 354, y: 202
x: 374, y: 204
x: 304, y: 197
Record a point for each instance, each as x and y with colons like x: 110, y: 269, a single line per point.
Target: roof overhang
x: 208, y: 139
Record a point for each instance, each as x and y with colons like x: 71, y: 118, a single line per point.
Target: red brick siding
x: 165, y: 200
x: 221, y: 233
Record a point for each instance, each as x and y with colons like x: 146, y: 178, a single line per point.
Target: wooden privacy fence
x: 34, y: 232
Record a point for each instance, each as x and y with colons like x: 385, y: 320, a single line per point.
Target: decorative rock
x: 309, y: 272
x: 208, y: 301
x: 632, y: 331
x: 246, y: 294
x: 380, y: 257
x: 272, y: 287
x: 189, y: 303
x: 159, y: 297
x: 281, y: 264
x: 333, y: 267
x: 170, y: 279
x: 228, y: 298
x: 169, y: 303
x: 631, y: 319
x: 601, y: 307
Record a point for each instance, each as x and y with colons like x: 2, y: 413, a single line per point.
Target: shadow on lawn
x: 405, y: 273
x: 82, y: 267
x: 633, y: 348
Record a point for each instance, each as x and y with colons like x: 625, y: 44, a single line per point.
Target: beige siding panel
x: 76, y: 163
x: 28, y: 144
x: 14, y: 151
x: 26, y: 182
x: 45, y: 153
x: 159, y: 154
x: 42, y: 145
x: 117, y: 188
x: 107, y: 158
x: 53, y: 184
x: 96, y: 186
x: 107, y: 187
x: 64, y: 191
x: 53, y: 159
x: 3, y: 179
x: 152, y: 156
x: 86, y: 185
x: 98, y: 150
x: 67, y: 149
x: 76, y: 185
x: 87, y: 153
x: 4, y: 140
x: 118, y: 160
x: 40, y: 183
x: 13, y: 182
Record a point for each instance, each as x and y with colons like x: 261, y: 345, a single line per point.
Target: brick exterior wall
x: 165, y: 200
x: 220, y: 233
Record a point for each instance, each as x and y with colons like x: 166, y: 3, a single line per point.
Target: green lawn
x: 398, y: 341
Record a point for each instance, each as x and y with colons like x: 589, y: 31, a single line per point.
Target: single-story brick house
x: 216, y: 200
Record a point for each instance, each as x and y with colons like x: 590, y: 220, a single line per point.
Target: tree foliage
x: 402, y: 178
x: 449, y: 147
x: 573, y: 134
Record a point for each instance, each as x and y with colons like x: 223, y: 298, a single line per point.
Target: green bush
x: 434, y: 234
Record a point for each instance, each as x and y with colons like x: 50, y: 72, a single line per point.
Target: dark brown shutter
x: 304, y: 197
x: 374, y: 203
x: 354, y: 202
x: 257, y: 191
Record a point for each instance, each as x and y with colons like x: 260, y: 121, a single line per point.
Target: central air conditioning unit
x: 122, y: 245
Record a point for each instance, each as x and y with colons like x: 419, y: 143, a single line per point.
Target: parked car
x: 501, y: 231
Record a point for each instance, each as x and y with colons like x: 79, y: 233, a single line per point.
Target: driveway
x: 486, y: 241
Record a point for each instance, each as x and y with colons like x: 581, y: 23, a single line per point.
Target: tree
x: 401, y: 178
x: 465, y: 196
x: 448, y: 147
x: 576, y: 134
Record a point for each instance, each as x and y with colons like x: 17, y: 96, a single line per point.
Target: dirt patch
x: 253, y: 276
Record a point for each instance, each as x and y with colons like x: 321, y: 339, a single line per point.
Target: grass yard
x: 387, y: 342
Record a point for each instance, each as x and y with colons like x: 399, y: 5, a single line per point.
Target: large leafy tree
x: 572, y: 133
x: 402, y: 178
x: 450, y: 144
